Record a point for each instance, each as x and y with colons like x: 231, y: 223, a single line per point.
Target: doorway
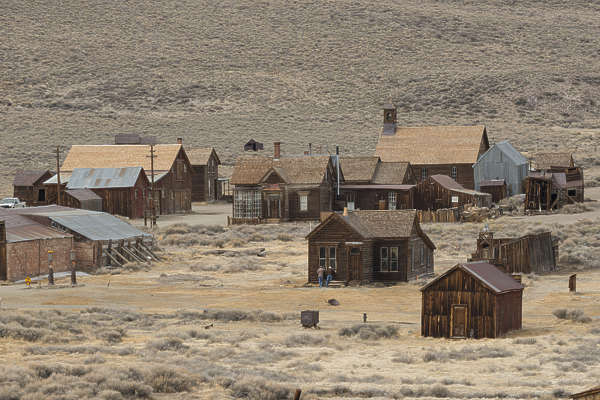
x: 354, y: 264
x: 273, y: 206
x: 41, y: 195
x: 458, y: 321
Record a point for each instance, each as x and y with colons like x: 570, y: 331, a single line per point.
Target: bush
x: 258, y: 389
x: 111, y: 335
x: 370, y: 332
x: 525, y: 341
x: 284, y: 237
x: 573, y: 315
x: 305, y: 340
x: 168, y: 343
x: 167, y: 380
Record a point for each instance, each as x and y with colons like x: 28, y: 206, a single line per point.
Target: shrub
x: 168, y: 343
x: 284, y: 237
x: 258, y: 389
x: 167, y: 380
x: 573, y: 315
x: 305, y: 340
x: 111, y: 335
x: 525, y: 341
x: 403, y: 359
x: 370, y: 332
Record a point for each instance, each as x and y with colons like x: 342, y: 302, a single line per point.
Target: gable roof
x: 433, y: 144
x: 489, y: 275
x: 119, y: 156
x: 104, y: 178
x: 22, y: 229
x: 29, y: 177
x: 585, y: 393
x: 378, y: 224
x: 201, y: 155
x: 447, y: 182
x: 250, y: 170
x: 83, y: 194
x: 543, y: 161
x: 358, y: 169
x: 391, y: 173
x: 508, y: 150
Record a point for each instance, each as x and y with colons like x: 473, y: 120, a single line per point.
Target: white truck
x: 12, y: 202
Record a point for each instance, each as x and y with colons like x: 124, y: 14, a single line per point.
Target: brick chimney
x: 276, y: 150
x: 179, y: 140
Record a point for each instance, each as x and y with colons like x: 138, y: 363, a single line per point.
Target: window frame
x: 454, y: 172
x: 394, y: 259
x: 323, y: 257
x: 384, y: 263
x: 392, y: 198
x: 424, y: 173
x: 332, y: 265
x: 303, y: 205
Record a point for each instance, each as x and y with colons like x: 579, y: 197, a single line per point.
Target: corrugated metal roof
x: 83, y: 194
x: 488, y: 274
x: 64, y: 178
x: 104, y: 178
x: 22, y: 229
x: 509, y: 151
x: 95, y: 225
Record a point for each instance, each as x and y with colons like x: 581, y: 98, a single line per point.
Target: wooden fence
x: 441, y: 215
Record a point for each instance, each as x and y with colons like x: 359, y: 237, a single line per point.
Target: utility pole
x: 152, y: 206
x: 58, y: 175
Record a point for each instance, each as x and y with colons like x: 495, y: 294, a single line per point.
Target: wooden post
x: 58, y: 175
x: 297, y: 394
x: 3, y: 262
x: 573, y: 283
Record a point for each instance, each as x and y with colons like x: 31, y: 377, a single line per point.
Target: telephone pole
x: 152, y: 205
x: 58, y: 175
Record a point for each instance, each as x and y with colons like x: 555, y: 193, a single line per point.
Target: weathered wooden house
x: 85, y: 199
x: 433, y: 150
x: 370, y: 184
x: 205, y: 173
x: 25, y: 245
x: 134, y: 138
x: 552, y: 160
x: 253, y: 145
x: 533, y: 253
x: 98, y: 238
x: 495, y: 187
x: 124, y: 191
x: 441, y: 191
x: 501, y: 162
x: 172, y: 169
x: 545, y: 191
x: 28, y: 186
x: 370, y: 246
x: 590, y: 394
x: 275, y: 189
x: 472, y: 300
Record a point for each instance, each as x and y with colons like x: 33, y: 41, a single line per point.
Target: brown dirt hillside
x: 221, y: 72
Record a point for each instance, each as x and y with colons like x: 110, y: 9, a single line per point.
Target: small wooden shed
x: 85, y: 199
x: 205, y: 173
x: 472, y: 300
x: 590, y: 394
x: 545, y: 191
x: 495, y: 187
x: 441, y: 191
x: 28, y: 186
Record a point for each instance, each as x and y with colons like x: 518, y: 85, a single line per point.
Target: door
x: 273, y: 206
x: 354, y: 265
x: 458, y: 321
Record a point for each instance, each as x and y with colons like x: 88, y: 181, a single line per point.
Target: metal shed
x: 502, y: 161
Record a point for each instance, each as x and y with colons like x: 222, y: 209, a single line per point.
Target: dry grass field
x: 215, y: 321
x: 218, y: 73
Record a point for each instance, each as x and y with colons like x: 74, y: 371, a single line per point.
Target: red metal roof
x: 492, y: 277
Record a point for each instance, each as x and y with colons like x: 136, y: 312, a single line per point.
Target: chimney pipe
x: 310, y: 149
x: 345, y: 214
x: 179, y: 140
x: 277, y: 150
x: 337, y: 150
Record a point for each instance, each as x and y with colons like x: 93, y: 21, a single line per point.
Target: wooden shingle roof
x: 390, y: 173
x: 433, y: 144
x: 544, y: 161
x: 250, y: 170
x: 200, y: 156
x: 358, y: 169
x: 118, y: 156
x: 447, y: 182
x: 30, y: 177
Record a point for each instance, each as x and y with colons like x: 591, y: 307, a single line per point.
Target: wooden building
x: 24, y: 247
x: 495, y: 187
x: 533, y: 253
x: 472, y: 300
x: 253, y: 145
x: 28, y: 186
x: 370, y: 184
x: 124, y: 191
x: 275, y: 189
x: 370, y: 246
x: 501, y: 162
x: 546, y: 191
x: 590, y: 394
x: 85, y: 199
x: 205, y: 173
x: 552, y: 160
x: 172, y: 169
x: 433, y: 150
x: 134, y: 138
x: 441, y: 191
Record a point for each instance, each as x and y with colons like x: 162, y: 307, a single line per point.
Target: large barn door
x: 458, y: 321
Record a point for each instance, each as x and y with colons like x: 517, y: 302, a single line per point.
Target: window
x: 322, y: 257
x: 179, y: 170
x: 572, y: 192
x: 422, y: 253
x: 332, y: 257
x: 351, y: 201
x: 247, y: 204
x: 391, y: 200
x: 423, y: 173
x: 384, y: 265
x: 393, y: 259
x: 454, y: 173
x: 303, y: 201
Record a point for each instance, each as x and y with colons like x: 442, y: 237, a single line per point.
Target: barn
x: 370, y: 184
x: 590, y: 394
x: 370, y: 246
x: 205, y: 173
x: 471, y: 300
x: 28, y: 186
x: 124, y: 191
x: 533, y: 253
x: 441, y: 191
x: 501, y: 162
x: 433, y: 150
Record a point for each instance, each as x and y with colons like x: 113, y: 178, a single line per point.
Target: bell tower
x: 389, y: 119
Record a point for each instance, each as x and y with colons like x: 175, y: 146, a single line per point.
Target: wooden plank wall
x: 441, y: 215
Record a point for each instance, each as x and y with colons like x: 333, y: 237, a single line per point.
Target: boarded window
x: 393, y: 259
x: 384, y: 261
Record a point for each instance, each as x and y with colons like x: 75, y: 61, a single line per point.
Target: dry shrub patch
x: 573, y: 315
x: 370, y: 332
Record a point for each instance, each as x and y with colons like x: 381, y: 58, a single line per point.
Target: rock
x: 333, y: 302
